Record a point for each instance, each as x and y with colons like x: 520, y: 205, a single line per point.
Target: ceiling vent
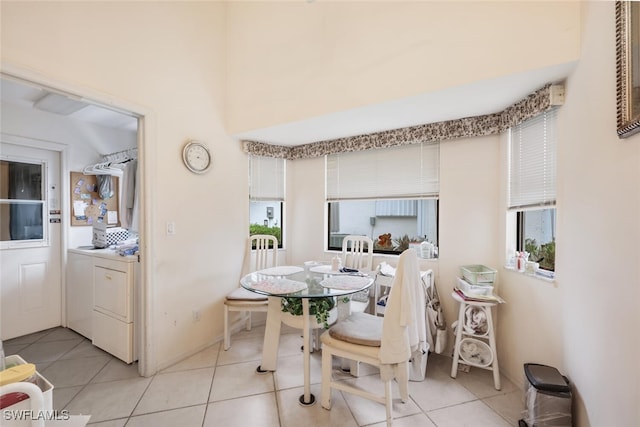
x: 59, y: 104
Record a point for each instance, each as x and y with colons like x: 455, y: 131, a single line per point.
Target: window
x: 22, y: 204
x: 266, y: 196
x: 532, y: 187
x: 389, y: 195
x: 536, y: 236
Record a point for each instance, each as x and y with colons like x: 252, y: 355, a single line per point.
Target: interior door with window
x: 30, y: 233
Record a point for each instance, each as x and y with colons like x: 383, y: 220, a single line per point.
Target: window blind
x: 266, y: 178
x: 408, y: 171
x: 532, y: 162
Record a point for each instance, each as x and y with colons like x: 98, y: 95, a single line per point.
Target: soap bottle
x: 426, y: 249
x: 522, y: 260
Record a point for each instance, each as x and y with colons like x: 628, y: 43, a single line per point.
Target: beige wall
x: 170, y: 57
x: 294, y: 60
x: 598, y: 234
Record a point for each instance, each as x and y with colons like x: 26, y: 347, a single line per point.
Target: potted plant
x: 318, y: 307
x: 544, y: 254
x: 402, y: 244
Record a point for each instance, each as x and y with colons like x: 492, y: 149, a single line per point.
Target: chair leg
x: 325, y: 398
x: 403, y: 381
x: 388, y: 398
x: 315, y: 338
x: 248, y: 320
x: 227, y: 335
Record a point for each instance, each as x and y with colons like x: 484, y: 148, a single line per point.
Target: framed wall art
x: 628, y: 67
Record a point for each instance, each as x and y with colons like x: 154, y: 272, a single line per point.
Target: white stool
x: 470, y: 345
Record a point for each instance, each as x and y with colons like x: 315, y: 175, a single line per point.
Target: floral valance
x: 489, y: 124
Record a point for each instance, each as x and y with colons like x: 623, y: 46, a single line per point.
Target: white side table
x: 475, y: 347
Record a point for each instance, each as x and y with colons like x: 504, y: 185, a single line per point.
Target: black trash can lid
x: 546, y: 378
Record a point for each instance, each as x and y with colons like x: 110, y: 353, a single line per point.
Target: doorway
x: 96, y: 107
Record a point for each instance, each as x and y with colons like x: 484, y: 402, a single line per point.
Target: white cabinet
x: 113, y: 302
x: 101, y: 298
x: 80, y: 293
x: 113, y: 289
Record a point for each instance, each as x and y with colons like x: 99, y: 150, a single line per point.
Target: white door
x: 30, y: 235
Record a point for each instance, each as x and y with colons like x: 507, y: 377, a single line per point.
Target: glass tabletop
x: 294, y: 281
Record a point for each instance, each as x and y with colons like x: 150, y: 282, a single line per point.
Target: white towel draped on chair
x: 405, y: 335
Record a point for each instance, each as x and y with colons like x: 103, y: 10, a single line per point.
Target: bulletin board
x: 87, y: 207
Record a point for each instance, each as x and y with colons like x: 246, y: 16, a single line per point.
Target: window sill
x: 537, y: 276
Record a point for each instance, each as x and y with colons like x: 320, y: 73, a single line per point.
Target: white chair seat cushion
x: 359, y: 328
x: 357, y: 350
x: 241, y: 294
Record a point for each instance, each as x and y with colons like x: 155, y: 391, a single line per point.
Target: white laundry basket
x: 37, y: 402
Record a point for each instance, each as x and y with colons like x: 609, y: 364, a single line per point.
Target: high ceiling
x: 480, y: 98
x: 476, y: 99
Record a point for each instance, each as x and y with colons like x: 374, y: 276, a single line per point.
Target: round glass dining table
x: 306, y: 283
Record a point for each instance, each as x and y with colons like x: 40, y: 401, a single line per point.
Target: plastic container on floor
x: 15, y: 402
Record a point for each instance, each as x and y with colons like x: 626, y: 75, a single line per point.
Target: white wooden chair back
x: 261, y: 252
x: 357, y: 252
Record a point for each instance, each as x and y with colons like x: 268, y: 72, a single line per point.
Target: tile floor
x: 221, y: 388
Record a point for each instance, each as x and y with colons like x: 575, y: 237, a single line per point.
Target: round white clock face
x: 196, y: 157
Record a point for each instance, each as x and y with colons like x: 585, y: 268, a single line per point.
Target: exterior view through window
x: 265, y: 217
x: 393, y: 225
x: 21, y: 201
x: 537, y: 236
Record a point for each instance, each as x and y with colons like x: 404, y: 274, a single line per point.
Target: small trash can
x: 547, y: 397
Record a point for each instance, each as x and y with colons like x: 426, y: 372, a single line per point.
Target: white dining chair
x: 261, y: 252
x: 385, y: 342
x: 357, y: 253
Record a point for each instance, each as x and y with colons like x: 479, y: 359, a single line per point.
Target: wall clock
x: 196, y: 157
